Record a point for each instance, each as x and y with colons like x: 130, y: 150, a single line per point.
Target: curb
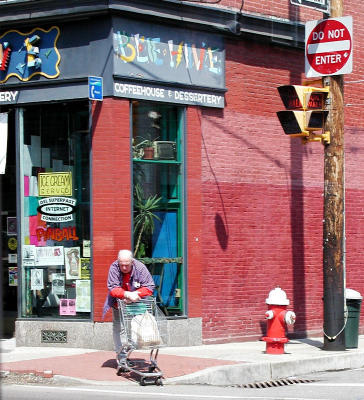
x: 61, y: 379
x: 42, y: 374
x: 241, y: 374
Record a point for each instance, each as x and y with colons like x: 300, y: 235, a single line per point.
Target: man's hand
x: 131, y: 296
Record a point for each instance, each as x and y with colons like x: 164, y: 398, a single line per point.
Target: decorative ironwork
x: 54, y: 336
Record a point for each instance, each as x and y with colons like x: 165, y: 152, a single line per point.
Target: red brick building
x: 241, y: 203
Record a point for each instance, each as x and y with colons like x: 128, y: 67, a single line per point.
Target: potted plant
x: 148, y: 149
x: 143, y: 149
x: 144, y: 218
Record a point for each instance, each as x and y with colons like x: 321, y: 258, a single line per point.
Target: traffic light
x: 305, y: 110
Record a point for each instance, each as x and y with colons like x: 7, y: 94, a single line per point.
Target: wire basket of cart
x: 145, y: 327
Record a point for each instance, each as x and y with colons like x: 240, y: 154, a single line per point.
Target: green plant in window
x: 144, y: 217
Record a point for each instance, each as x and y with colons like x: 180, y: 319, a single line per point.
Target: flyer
x: 85, y: 268
x: 83, y: 295
x: 67, y: 307
x: 13, y: 276
x: 72, y: 262
x: 36, y: 279
x: 49, y: 255
x: 28, y: 255
x: 11, y: 226
x: 12, y: 258
x: 87, y: 248
x: 58, y: 283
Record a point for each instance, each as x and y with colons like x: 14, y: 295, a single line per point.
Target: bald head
x: 125, y: 258
x: 125, y: 255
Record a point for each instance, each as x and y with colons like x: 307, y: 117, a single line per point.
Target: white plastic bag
x: 144, y: 330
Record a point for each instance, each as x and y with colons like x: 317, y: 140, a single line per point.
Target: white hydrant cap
x: 278, y: 297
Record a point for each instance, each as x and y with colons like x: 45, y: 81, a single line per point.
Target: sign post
x: 329, y: 47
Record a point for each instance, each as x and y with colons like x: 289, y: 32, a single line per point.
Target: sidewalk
x: 220, y: 364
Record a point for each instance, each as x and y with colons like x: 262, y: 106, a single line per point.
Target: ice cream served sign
x: 55, y: 184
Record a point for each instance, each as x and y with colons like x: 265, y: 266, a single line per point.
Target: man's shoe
x: 121, y: 359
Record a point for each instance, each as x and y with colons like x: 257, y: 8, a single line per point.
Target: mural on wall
x: 154, y: 52
x: 25, y: 55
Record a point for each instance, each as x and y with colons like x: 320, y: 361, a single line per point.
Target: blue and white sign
x: 95, y: 88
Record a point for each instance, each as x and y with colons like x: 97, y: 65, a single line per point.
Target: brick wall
x: 195, y: 239
x: 262, y: 201
x: 111, y: 202
x: 277, y: 8
x: 254, y: 195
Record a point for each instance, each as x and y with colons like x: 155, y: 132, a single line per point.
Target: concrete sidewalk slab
x: 219, y: 364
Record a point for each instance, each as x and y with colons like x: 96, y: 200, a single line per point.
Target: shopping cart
x: 144, y: 326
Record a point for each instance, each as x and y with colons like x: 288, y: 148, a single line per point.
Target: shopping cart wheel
x: 142, y: 382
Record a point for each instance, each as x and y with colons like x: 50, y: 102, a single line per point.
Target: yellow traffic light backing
x: 305, y: 112
x: 302, y: 122
x: 297, y: 97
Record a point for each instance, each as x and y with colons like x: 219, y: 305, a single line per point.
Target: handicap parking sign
x: 95, y: 88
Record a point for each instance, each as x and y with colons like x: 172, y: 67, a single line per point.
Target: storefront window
x: 158, y: 198
x: 55, y: 197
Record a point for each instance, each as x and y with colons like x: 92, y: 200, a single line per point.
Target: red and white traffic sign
x: 329, y: 47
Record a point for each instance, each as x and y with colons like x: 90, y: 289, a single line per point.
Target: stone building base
x: 96, y: 335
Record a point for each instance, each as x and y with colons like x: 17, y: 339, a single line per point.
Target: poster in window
x: 13, y: 276
x: 49, y: 255
x: 58, y: 281
x: 72, y: 262
x: 12, y: 258
x: 28, y: 255
x: 11, y: 226
x: 87, y: 248
x: 67, y: 307
x: 36, y: 279
x: 83, y: 295
x: 85, y: 268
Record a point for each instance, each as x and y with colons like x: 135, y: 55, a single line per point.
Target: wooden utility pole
x: 334, y: 212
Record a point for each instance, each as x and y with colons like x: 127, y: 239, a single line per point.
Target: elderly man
x: 128, y: 279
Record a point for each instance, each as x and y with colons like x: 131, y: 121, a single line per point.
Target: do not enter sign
x: 329, y: 47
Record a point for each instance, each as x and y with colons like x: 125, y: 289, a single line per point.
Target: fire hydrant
x: 278, y: 317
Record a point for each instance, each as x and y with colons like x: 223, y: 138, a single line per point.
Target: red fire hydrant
x: 278, y: 317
